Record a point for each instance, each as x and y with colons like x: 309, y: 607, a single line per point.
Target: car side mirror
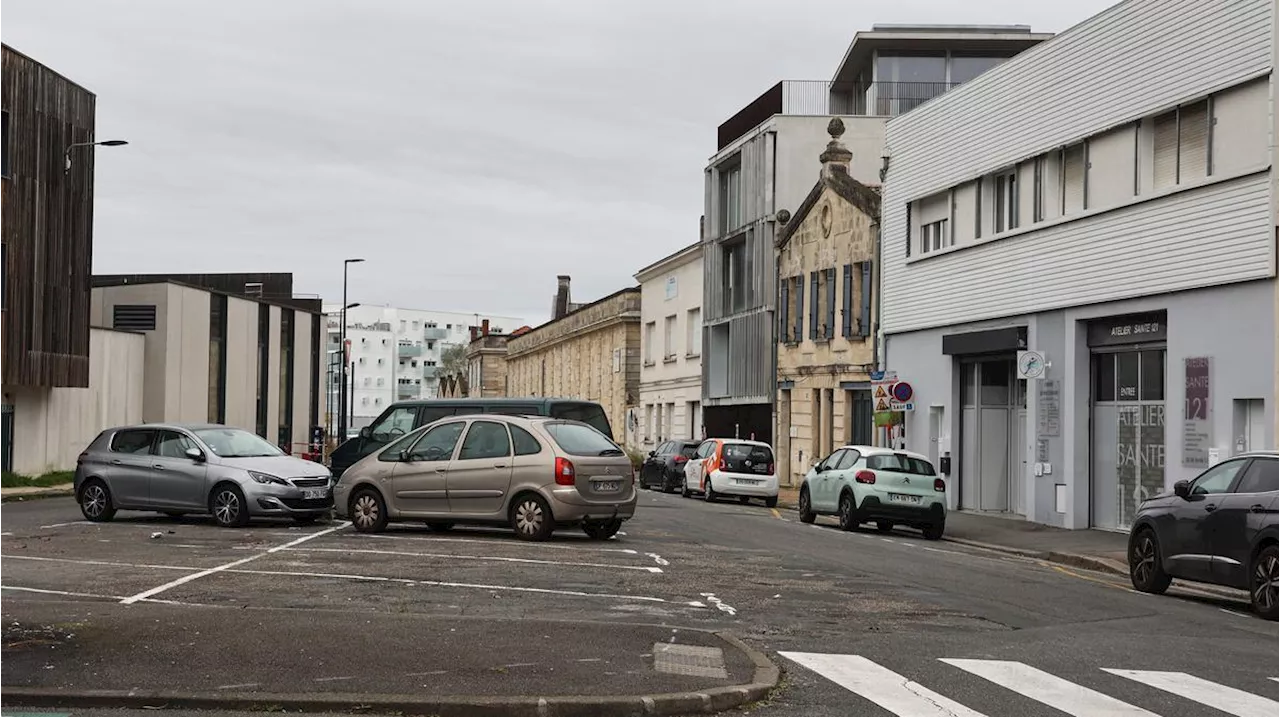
x: 653, y: 453
x: 1182, y: 489
x: 406, y: 456
x: 364, y: 432
x: 195, y: 454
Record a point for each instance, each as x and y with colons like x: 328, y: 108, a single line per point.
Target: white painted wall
x: 1133, y: 60
x: 186, y: 347
x: 52, y: 426
x: 156, y: 359
x: 672, y: 384
x: 242, y: 362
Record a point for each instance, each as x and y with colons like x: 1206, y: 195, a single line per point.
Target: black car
x: 1218, y: 528
x: 664, y: 468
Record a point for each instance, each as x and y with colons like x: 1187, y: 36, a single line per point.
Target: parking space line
x: 511, y: 543
x: 107, y: 563
x: 203, y: 573
x: 496, y: 558
x: 66, y: 593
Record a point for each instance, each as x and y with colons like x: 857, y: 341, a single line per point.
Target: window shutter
x: 1193, y: 144
x: 1165, y: 161
x: 831, y: 303
x: 908, y: 231
x: 864, y: 313
x: 846, y: 307
x: 813, y: 305
x: 1073, y: 179
x: 798, y: 332
x: 784, y: 306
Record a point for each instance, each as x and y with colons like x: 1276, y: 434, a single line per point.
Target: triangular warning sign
x: 881, y: 393
x: 882, y: 405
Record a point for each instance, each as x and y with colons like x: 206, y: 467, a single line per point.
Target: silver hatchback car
x: 531, y: 473
x: 226, y: 472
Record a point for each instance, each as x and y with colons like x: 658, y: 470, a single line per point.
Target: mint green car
x: 864, y: 484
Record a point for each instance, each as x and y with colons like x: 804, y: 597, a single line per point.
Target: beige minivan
x: 532, y: 473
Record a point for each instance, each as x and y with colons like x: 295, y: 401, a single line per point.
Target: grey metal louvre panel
x: 134, y: 317
x: 1131, y: 60
x: 1201, y: 237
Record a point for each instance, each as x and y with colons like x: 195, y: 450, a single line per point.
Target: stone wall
x: 487, y: 367
x: 592, y: 354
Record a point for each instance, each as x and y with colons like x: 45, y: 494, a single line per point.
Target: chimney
x: 474, y: 332
x: 561, y: 306
x: 835, y: 159
x: 484, y: 327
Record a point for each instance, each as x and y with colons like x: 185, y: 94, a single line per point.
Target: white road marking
x: 880, y: 685
x: 522, y: 664
x: 66, y: 593
x: 889, y: 540
x: 109, y: 563
x: 658, y: 559
x: 203, y: 573
x: 589, y: 659
x: 238, y: 687
x: 496, y: 558
x: 1237, y: 613
x: 63, y: 525
x: 334, y: 679
x: 720, y: 605
x: 1227, y: 699
x: 1048, y: 689
x: 425, y: 674
x: 497, y: 541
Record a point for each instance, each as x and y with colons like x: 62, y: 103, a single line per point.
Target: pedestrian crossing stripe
x: 905, y: 698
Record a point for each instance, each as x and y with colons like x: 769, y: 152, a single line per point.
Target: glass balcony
x: 435, y: 334
x: 409, y: 350
x: 430, y: 371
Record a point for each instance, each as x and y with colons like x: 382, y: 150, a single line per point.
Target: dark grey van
x: 404, y: 416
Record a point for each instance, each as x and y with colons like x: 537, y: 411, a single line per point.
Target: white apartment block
x: 671, y: 348
x: 1105, y: 201
x: 395, y: 353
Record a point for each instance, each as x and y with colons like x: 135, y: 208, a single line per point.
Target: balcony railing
x: 435, y: 334
x: 430, y: 371
x: 819, y: 97
x: 408, y: 350
x: 408, y: 390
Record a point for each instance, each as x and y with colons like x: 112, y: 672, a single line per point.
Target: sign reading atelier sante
x: 1130, y: 329
x: 1197, y: 431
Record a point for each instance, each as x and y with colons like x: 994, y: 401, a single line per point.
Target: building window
x: 133, y: 317
x: 253, y: 288
x: 797, y: 309
x: 650, y: 334
x: 730, y: 195
x: 217, y: 358
x: 1037, y: 190
x: 1073, y: 179
x: 736, y: 270
x: 264, y: 357
x: 287, y: 336
x: 693, y: 333
x: 669, y: 338
x: 1006, y: 201
x: 933, y: 236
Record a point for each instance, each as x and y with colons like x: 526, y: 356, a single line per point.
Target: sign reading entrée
x: 1197, y: 431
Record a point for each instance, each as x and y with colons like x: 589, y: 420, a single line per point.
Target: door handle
x: 440, y: 470
x: 115, y: 462
x: 1257, y: 508
x: 499, y: 465
x: 1210, y: 507
x: 157, y: 466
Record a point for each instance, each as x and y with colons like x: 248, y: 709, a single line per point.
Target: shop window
x: 1127, y: 376
x: 995, y: 383
x: 1151, y: 375
x: 1104, y: 378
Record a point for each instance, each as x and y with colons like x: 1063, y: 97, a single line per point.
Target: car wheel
x: 684, y: 491
x: 933, y: 531
x: 95, y: 501
x: 368, y: 511
x: 1145, y: 569
x: 602, y: 530
x: 531, y: 518
x: 228, y: 506
x: 771, y: 502
x: 884, y: 526
x: 848, y: 517
x: 1263, y: 582
x: 440, y: 526
x: 806, y: 510
x: 709, y: 494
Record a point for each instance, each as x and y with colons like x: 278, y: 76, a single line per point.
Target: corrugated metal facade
x: 1131, y: 61
x: 748, y: 363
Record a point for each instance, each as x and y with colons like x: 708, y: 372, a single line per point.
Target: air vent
x: 134, y: 317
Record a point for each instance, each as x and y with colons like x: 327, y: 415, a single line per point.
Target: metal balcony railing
x: 408, y: 350
x: 435, y: 334
x: 430, y: 371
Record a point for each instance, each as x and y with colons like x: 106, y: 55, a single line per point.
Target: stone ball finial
x: 835, y: 127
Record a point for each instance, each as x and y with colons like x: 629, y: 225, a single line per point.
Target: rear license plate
x: 749, y: 481
x: 314, y: 493
x: 608, y: 486
x: 902, y: 498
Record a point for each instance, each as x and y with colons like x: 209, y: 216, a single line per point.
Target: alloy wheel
x: 226, y: 507
x: 1265, y: 582
x: 529, y: 517
x: 846, y: 511
x: 365, y: 511
x: 94, y: 500
x: 1144, y: 559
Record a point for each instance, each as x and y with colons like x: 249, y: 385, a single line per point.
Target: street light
x: 103, y: 143
x: 342, y: 342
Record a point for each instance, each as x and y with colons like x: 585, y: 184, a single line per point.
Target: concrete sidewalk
x: 26, y: 492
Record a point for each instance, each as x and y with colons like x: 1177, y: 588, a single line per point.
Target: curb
x: 766, y: 677
x: 1088, y: 562
x: 52, y: 492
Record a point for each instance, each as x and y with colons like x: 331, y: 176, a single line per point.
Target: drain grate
x: 690, y: 660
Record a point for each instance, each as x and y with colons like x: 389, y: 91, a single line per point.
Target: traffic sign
x: 902, y: 392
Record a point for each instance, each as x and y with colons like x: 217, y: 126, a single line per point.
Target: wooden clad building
x: 47, y: 227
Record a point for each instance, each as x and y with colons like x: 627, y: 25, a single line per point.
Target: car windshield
x: 900, y: 463
x: 579, y: 440
x: 235, y: 443
x: 689, y: 450
x: 588, y: 413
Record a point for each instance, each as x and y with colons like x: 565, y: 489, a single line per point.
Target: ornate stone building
x: 826, y: 258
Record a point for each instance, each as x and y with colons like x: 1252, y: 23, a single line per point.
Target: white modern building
x: 763, y: 166
x: 395, y: 353
x: 671, y: 348
x: 1079, y: 262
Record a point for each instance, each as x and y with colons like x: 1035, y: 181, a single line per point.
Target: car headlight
x: 265, y: 478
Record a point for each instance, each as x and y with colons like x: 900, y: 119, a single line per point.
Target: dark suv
x: 664, y: 468
x: 1218, y: 528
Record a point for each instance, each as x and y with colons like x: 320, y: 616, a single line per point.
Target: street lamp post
x: 342, y: 343
x: 104, y: 143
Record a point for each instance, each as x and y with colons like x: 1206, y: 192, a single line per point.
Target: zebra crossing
x: 904, y: 697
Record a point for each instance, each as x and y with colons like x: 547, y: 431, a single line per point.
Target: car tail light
x: 865, y: 477
x: 770, y: 469
x: 681, y: 459
x: 564, y: 471
x: 939, y: 485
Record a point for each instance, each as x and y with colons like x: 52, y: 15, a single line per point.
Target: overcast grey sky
x: 470, y: 151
